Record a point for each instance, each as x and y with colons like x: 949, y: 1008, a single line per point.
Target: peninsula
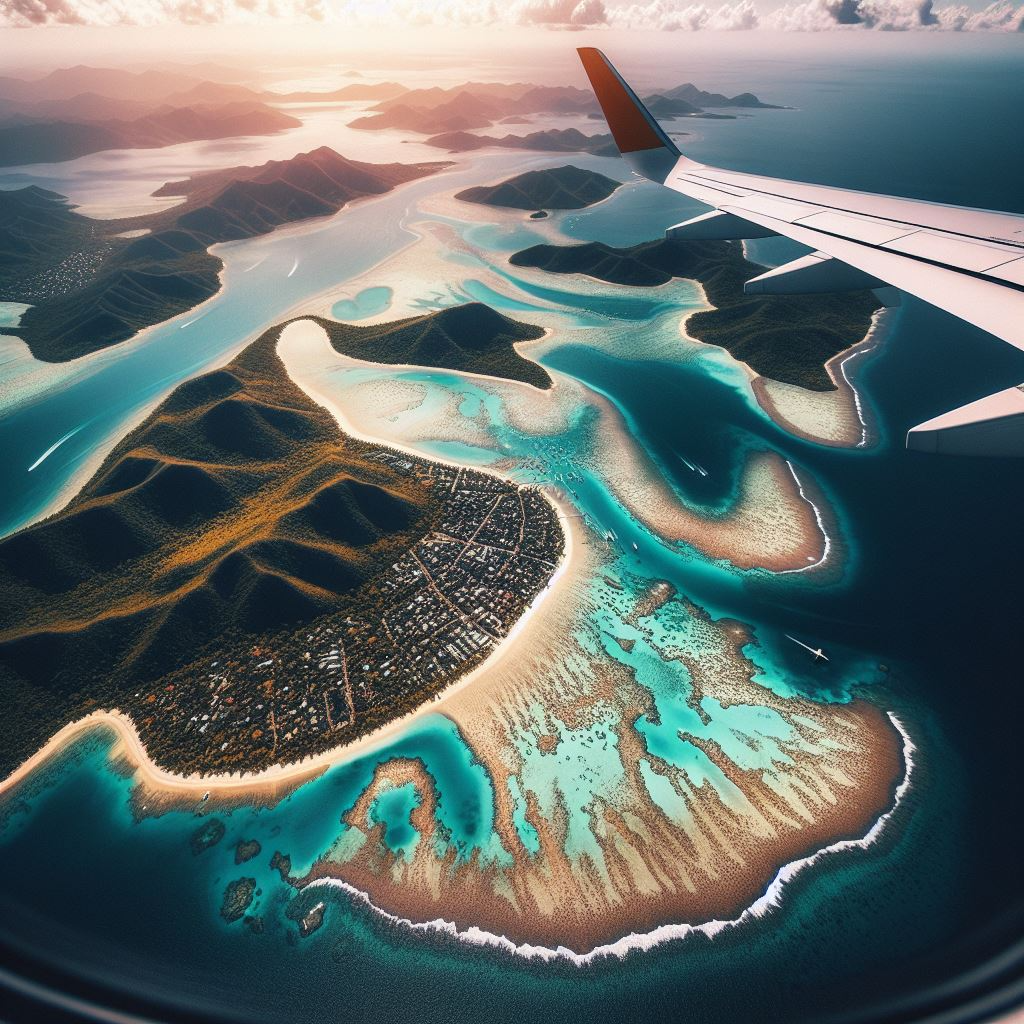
x: 90, y: 289
x: 471, y: 338
x: 787, y: 338
x: 552, y: 188
x: 251, y: 586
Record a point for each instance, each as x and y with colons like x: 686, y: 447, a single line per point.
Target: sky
x: 849, y: 16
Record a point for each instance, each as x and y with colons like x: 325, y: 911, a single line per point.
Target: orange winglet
x: 631, y: 125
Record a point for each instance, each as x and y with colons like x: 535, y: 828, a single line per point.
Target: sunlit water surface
x: 932, y: 546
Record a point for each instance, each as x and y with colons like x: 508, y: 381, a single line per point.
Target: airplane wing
x: 968, y: 262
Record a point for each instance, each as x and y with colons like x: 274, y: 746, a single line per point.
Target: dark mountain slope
x: 788, y: 338
x: 54, y: 141
x: 552, y: 188
x: 235, y: 509
x: 473, y: 338
x: 91, y: 291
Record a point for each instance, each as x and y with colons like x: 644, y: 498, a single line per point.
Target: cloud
x: 819, y: 16
x: 667, y: 15
x: 572, y: 13
x: 1000, y: 16
x: 894, y: 16
x: 674, y: 17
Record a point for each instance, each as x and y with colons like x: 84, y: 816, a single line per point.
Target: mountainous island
x: 56, y: 140
x: 90, y: 289
x: 550, y: 140
x: 462, y: 112
x: 72, y: 112
x: 786, y: 337
x: 551, y: 188
x: 472, y: 338
x: 252, y: 586
x: 480, y: 104
x: 499, y: 101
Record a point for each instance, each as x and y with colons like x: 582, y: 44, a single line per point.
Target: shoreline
x: 770, y: 899
x: 769, y: 494
x: 843, y: 410
x: 53, y: 375
x: 157, y: 778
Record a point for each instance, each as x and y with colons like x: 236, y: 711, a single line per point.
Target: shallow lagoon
x: 930, y: 595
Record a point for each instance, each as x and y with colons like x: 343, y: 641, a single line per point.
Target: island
x: 552, y: 188
x: 415, y: 109
x: 551, y: 140
x: 238, y: 897
x: 246, y: 849
x: 250, y: 586
x: 52, y: 141
x: 461, y: 112
x: 472, y: 338
x: 788, y: 338
x: 90, y: 289
x: 699, y: 99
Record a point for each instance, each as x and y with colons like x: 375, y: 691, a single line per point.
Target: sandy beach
x: 275, y: 782
x: 839, y: 418
x: 770, y: 525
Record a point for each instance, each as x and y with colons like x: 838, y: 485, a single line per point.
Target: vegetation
x: 473, y: 338
x: 787, y: 338
x: 552, y: 188
x: 238, y: 897
x: 91, y: 290
x: 251, y: 586
x: 234, y: 510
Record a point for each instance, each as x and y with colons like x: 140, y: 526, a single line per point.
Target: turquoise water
x: 933, y: 597
x: 369, y: 302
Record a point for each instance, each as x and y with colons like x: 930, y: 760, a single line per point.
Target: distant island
x: 551, y: 140
x: 472, y: 338
x: 786, y: 337
x: 57, y: 140
x: 251, y: 586
x: 72, y: 112
x: 551, y: 188
x: 90, y: 289
x: 461, y: 112
x: 485, y: 103
x: 355, y: 91
x: 699, y: 99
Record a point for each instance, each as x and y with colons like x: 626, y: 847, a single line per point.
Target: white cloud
x: 577, y: 13
x: 667, y: 15
x: 1000, y: 16
x: 692, y: 17
x: 894, y: 16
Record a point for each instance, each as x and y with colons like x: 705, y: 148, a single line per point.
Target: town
x: 432, y: 616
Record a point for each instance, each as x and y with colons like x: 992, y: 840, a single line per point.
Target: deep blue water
x: 932, y: 589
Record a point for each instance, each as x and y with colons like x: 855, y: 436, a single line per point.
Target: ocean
x: 95, y: 897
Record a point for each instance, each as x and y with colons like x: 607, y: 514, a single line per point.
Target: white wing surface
x: 968, y: 262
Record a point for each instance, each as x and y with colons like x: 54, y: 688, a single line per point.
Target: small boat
x: 819, y: 654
